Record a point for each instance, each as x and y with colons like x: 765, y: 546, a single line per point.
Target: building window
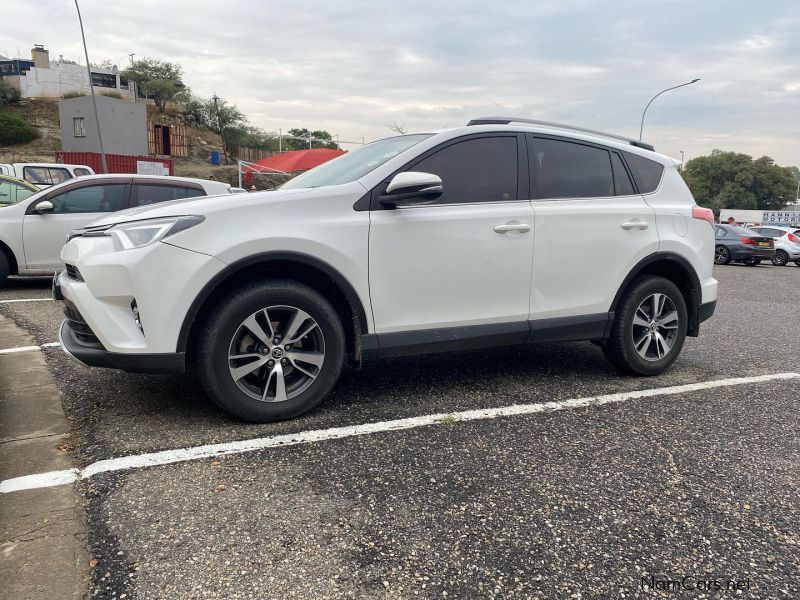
x: 104, y: 80
x: 79, y: 127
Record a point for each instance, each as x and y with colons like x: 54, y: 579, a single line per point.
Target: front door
x: 592, y: 228
x: 45, y: 233
x: 465, y: 260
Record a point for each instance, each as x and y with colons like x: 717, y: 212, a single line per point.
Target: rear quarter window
x: 646, y: 173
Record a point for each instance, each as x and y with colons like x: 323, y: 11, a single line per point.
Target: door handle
x: 509, y: 227
x: 635, y: 224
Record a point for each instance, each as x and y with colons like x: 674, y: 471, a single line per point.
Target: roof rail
x: 509, y: 120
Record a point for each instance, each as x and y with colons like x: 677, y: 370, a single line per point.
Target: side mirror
x: 45, y: 206
x: 410, y: 188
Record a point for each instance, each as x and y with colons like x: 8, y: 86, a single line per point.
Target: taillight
x: 794, y: 239
x: 748, y: 241
x: 704, y: 214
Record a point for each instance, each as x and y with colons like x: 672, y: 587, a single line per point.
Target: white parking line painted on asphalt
x: 29, y: 348
x: 26, y: 300
x: 167, y: 457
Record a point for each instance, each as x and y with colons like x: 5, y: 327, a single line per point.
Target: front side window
x: 110, y: 197
x: 153, y: 194
x: 646, y: 173
x: 78, y: 127
x: 569, y: 170
x: 45, y: 175
x: 476, y: 170
x: 355, y: 164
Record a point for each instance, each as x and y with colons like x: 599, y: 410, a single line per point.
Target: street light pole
x: 91, y: 87
x: 675, y: 87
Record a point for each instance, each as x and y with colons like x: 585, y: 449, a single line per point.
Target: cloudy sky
x: 352, y: 66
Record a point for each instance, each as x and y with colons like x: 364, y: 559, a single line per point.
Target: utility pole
x: 91, y: 87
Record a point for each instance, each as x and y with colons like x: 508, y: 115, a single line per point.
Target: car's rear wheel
x: 270, y: 351
x: 649, y: 327
x: 780, y: 259
x: 722, y: 255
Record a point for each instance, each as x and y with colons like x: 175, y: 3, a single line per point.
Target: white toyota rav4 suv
x: 501, y: 232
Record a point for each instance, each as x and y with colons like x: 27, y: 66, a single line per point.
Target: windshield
x: 355, y: 164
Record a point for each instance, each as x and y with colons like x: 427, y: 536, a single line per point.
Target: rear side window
x: 45, y: 175
x: 154, y: 193
x: 719, y: 232
x: 476, y: 170
x: 81, y: 172
x: 568, y: 170
x: 646, y: 173
x: 88, y: 199
x: 622, y: 182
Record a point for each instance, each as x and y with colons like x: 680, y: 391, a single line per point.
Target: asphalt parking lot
x: 582, y: 502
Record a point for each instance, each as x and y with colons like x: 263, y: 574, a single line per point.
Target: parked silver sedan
x: 787, y: 243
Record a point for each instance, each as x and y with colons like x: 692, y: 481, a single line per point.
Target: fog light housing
x: 136, y: 319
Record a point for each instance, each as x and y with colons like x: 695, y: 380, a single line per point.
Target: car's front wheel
x: 780, y: 259
x: 649, y: 327
x: 270, y: 351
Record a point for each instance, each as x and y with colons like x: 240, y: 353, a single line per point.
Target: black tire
x: 620, y: 349
x: 722, y: 255
x: 752, y: 262
x: 780, y: 259
x: 5, y: 268
x: 211, y: 361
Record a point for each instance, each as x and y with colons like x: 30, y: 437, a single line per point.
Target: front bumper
x: 97, y: 356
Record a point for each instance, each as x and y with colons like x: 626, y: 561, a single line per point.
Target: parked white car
x: 412, y: 244
x: 45, y: 174
x: 33, y: 231
x: 787, y: 243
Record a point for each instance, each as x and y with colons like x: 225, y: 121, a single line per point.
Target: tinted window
x: 622, y: 182
x: 477, y: 170
x: 96, y: 198
x: 45, y: 175
x: 568, y: 170
x: 773, y: 233
x: 153, y: 194
x: 81, y: 172
x: 646, y: 173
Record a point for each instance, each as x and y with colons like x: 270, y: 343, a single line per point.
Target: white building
x: 41, y: 77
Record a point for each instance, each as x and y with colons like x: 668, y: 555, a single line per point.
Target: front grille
x: 74, y: 273
x: 79, y: 327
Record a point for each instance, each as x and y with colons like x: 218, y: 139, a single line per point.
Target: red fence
x: 117, y: 163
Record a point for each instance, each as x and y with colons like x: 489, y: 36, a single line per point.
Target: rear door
x: 44, y: 234
x: 591, y: 229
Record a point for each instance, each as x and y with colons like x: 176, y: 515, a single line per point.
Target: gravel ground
x: 571, y: 504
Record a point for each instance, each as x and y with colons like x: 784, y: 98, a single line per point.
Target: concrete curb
x: 43, y: 532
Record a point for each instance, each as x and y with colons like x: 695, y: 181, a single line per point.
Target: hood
x: 203, y: 206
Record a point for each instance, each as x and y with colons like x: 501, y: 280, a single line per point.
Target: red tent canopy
x: 296, y: 160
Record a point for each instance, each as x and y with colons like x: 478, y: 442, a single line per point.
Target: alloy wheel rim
x: 720, y: 255
x: 655, y: 327
x: 276, y: 353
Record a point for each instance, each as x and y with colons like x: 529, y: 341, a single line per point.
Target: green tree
x: 8, y: 93
x: 302, y: 144
x: 159, y: 80
x: 15, y: 130
x: 734, y: 180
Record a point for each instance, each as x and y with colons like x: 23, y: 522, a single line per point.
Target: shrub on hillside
x: 8, y: 93
x: 15, y: 130
x: 69, y: 95
x: 116, y: 95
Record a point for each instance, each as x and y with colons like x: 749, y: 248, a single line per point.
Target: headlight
x: 137, y: 234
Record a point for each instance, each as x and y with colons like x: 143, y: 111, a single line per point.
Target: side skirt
x: 450, y: 339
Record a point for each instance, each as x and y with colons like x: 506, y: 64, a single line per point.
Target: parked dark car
x: 737, y: 244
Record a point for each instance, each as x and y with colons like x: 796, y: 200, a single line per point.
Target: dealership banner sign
x: 780, y: 217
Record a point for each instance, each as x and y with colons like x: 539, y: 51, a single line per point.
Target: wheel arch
x: 678, y: 270
x: 12, y: 258
x: 298, y: 267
